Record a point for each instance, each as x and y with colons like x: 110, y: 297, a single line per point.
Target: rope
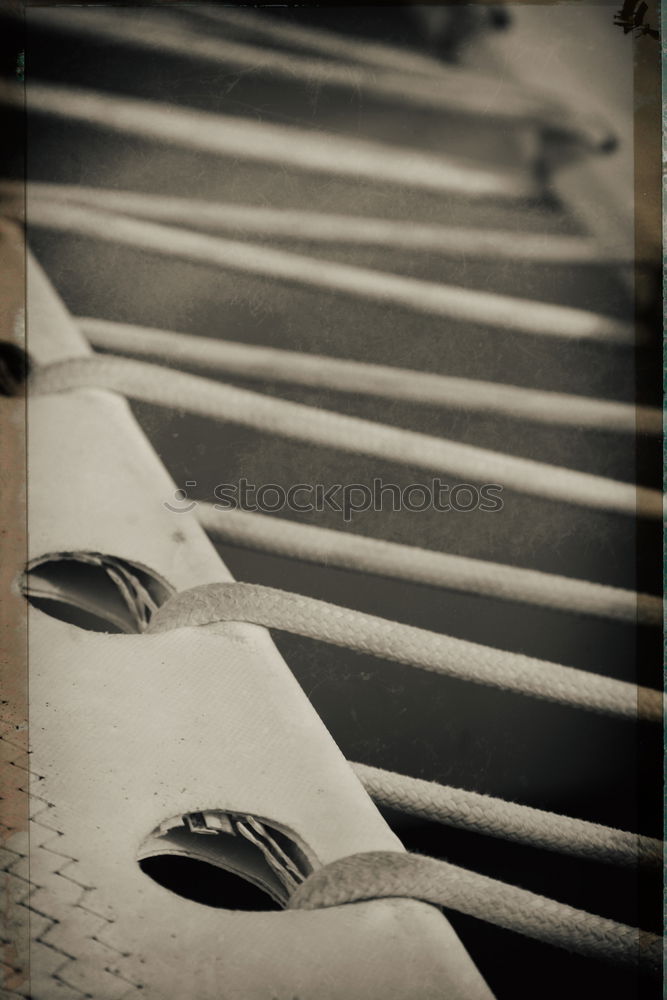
x: 388, y: 874
x: 346, y: 47
x: 346, y: 550
x: 415, y: 647
x: 424, y: 297
x: 382, y: 874
x: 163, y: 387
x: 496, y: 817
x: 278, y: 145
x: 323, y: 372
x: 458, y: 91
x: 322, y: 227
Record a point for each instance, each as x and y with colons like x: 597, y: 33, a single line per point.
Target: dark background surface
x: 381, y: 713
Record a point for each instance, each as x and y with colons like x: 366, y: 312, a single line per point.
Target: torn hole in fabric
x: 96, y: 592
x: 226, y: 860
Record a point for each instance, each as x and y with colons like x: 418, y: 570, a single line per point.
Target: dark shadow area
x: 206, y: 884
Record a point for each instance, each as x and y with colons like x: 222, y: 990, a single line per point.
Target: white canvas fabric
x: 128, y: 731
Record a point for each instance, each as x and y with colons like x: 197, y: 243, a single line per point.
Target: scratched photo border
x: 637, y: 19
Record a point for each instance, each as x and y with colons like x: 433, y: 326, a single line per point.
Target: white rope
x: 425, y: 297
x: 444, y: 884
x: 300, y: 149
x: 346, y: 550
x: 163, y: 387
x: 324, y: 372
x: 323, y: 228
x: 368, y: 52
x: 414, y: 647
x: 495, y: 817
x: 382, y: 874
x: 456, y: 91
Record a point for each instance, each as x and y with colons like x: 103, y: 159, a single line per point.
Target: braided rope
x: 406, y: 644
x: 161, y: 386
x: 330, y: 547
x: 385, y: 381
x: 349, y: 48
x: 324, y: 228
x: 382, y: 874
x: 429, y: 298
x: 458, y: 90
x: 264, y: 142
x: 354, y: 878
x: 508, y: 820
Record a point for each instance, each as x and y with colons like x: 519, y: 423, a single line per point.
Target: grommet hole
x: 224, y: 860
x: 96, y: 592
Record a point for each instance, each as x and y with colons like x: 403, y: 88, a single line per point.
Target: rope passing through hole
x: 382, y: 874
x: 363, y: 554
x: 208, y: 398
x: 392, y: 874
x: 416, y: 647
